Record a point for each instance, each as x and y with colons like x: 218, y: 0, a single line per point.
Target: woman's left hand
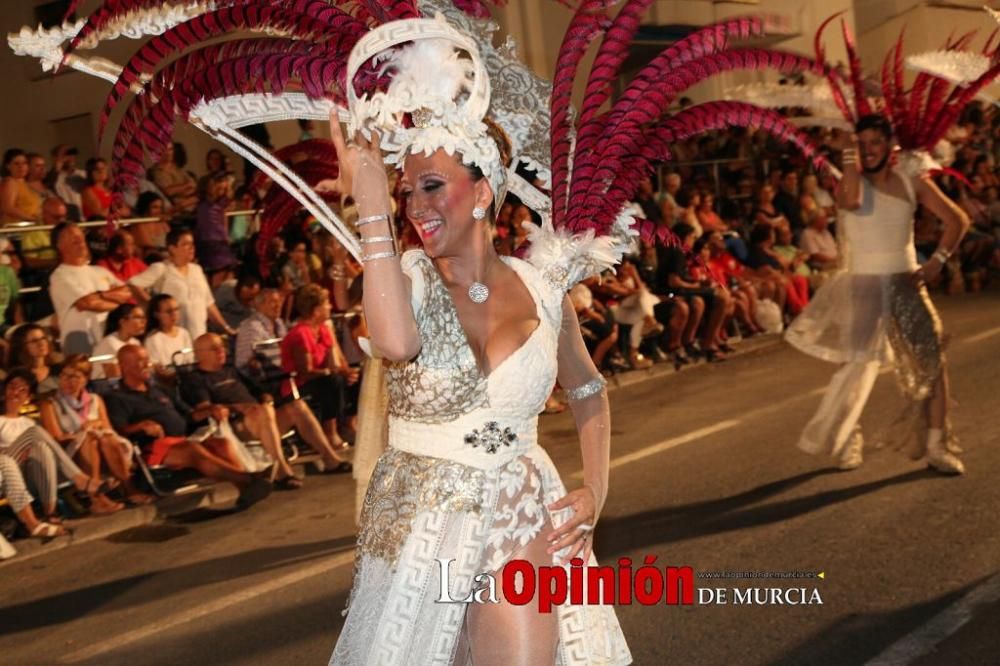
x: 577, y: 533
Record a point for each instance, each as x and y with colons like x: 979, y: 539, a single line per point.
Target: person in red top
x: 96, y: 196
x: 725, y: 270
x: 729, y: 266
x: 325, y: 379
x: 121, y: 259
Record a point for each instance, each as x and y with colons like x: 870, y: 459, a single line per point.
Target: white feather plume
x: 959, y: 67
x: 452, y: 74
x: 565, y: 259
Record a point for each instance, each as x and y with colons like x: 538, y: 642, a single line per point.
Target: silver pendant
x: 479, y: 292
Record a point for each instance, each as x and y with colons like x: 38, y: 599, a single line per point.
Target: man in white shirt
x: 82, y: 295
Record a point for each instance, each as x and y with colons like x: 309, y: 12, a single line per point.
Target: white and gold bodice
x: 441, y: 404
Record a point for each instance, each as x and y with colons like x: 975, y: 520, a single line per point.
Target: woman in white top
x: 125, y: 325
x: 165, y: 337
x: 78, y: 419
x: 40, y: 457
x: 183, y: 279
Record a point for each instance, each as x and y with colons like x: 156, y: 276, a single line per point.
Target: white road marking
x: 979, y: 337
x: 923, y: 639
x: 666, y: 445
x: 210, y: 608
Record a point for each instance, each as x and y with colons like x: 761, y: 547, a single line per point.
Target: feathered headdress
x: 921, y: 114
x: 369, y: 58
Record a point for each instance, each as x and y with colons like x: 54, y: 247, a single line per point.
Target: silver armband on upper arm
x: 591, y: 388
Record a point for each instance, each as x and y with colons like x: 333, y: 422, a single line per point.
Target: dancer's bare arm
x: 593, y: 422
x: 386, y: 302
x: 849, y: 188
x: 953, y: 219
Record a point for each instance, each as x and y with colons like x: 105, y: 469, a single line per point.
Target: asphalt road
x: 705, y: 475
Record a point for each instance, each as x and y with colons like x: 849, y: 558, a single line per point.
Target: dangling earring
x: 478, y: 213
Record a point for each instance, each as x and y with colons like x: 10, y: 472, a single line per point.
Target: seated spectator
x: 264, y: 324
x: 635, y: 309
x: 78, y: 419
x: 41, y: 456
x: 164, y: 337
x: 15, y: 489
x: 10, y: 287
x: 765, y: 212
x: 174, y: 182
x: 214, y: 390
x: 151, y: 237
x: 597, y: 324
x: 211, y: 228
x: 688, y: 200
x: 707, y: 217
x: 150, y: 417
x: 183, y: 279
x: 325, y: 379
x: 794, y: 259
x: 96, y: 196
x: 125, y: 325
x: 786, y: 201
x: 765, y: 261
x: 36, y: 246
x: 216, y: 163
x: 121, y: 260
x: 18, y: 202
x: 295, y: 272
x: 727, y: 270
x: 31, y: 348
x: 818, y: 243
x: 36, y: 176
x: 703, y: 299
x: 738, y: 307
x: 82, y: 295
x: 235, y: 298
x: 67, y: 180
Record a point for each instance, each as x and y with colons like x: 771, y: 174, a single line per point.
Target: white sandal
x: 46, y: 531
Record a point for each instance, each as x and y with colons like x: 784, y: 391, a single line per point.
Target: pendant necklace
x: 479, y: 292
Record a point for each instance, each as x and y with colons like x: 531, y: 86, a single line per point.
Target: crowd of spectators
x: 165, y: 346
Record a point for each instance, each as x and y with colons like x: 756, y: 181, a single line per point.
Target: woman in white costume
x: 474, y: 344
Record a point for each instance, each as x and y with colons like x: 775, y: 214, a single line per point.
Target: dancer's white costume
x: 464, y: 478
x: 868, y: 315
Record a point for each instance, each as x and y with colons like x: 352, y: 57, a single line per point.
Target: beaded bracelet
x: 377, y: 239
x: 372, y: 219
x: 378, y: 255
x: 593, y: 387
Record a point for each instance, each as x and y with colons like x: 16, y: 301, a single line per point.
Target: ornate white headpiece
x: 418, y: 113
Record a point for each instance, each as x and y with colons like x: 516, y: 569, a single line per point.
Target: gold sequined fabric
x: 403, y: 485
x: 443, y: 382
x: 914, y: 333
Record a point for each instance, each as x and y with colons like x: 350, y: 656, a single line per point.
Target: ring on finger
x: 585, y: 527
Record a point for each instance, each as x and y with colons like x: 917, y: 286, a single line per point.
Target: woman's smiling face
x: 440, y: 194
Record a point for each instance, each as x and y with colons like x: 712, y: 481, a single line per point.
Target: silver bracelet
x: 377, y: 239
x: 942, y: 255
x: 378, y: 255
x: 591, y: 388
x: 372, y: 219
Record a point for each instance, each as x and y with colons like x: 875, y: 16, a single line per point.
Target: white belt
x: 479, y: 439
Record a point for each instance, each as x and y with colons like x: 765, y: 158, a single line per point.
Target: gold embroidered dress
x: 868, y: 315
x: 463, y: 478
